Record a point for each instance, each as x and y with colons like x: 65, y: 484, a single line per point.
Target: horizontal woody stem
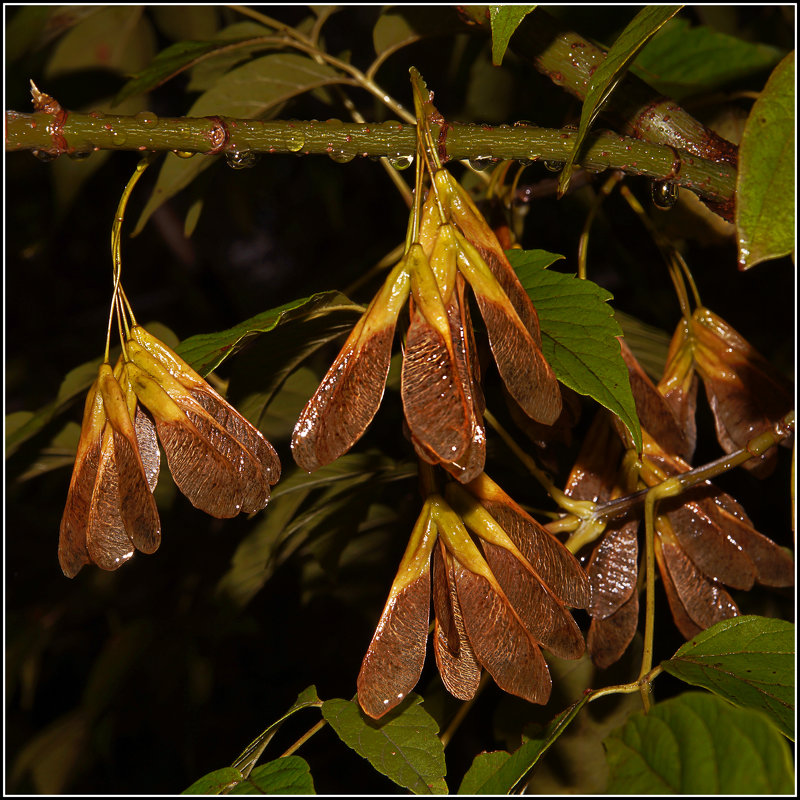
x: 55, y: 132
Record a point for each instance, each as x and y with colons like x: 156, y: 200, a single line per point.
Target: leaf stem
x: 304, y: 738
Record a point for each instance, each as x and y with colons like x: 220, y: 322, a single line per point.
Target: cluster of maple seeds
x: 502, y: 586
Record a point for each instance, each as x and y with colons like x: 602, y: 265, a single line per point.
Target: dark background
x: 143, y: 680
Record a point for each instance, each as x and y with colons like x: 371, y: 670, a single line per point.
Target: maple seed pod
x: 221, y: 462
x: 746, y: 394
x: 348, y: 398
x: 110, y: 509
x: 396, y: 654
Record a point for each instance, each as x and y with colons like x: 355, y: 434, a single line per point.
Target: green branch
x: 54, y: 131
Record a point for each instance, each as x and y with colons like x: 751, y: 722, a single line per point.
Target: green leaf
x: 215, y: 782
x: 682, y: 60
x: 205, y: 352
x: 257, y: 555
x: 504, y: 21
x: 250, y: 755
x: 498, y: 775
x: 698, y: 744
x: 483, y: 768
x: 254, y: 90
x: 167, y: 64
x: 636, y: 34
x: 579, y: 334
x: 403, y: 745
x: 765, y: 183
x: 289, y: 775
x: 118, y: 38
x: 399, y: 26
x: 747, y: 660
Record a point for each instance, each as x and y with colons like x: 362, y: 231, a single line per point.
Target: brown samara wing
x: 475, y: 228
x: 107, y: 540
x: 524, y: 370
x: 608, y: 638
x: 679, y: 385
x: 351, y: 392
x: 458, y: 667
x: 614, y: 569
x: 137, y: 504
x: 499, y: 640
x: 72, y: 552
x: 437, y: 412
x: 396, y: 654
x: 595, y: 471
x: 554, y: 564
x: 746, y: 393
x: 225, y: 414
x: 714, y: 552
x: 656, y: 415
x: 215, y: 472
x: 703, y: 600
x: 540, y: 611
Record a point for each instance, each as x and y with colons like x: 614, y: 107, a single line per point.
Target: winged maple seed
x: 502, y: 586
x: 110, y: 509
x: 221, y: 462
x: 704, y: 540
x: 217, y: 458
x: 440, y: 380
x: 746, y: 394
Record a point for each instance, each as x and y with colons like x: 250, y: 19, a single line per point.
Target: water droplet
x: 553, y: 166
x: 79, y: 155
x: 147, y: 118
x: 43, y: 155
x: 664, y: 194
x: 401, y: 162
x: 480, y: 163
x: 296, y: 142
x: 341, y: 156
x: 241, y: 159
x: 118, y: 138
x: 183, y: 153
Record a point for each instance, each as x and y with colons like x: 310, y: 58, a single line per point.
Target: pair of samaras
x: 216, y: 457
x: 440, y: 380
x: 498, y: 598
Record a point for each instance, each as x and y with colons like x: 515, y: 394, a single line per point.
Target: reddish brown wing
x: 455, y: 658
x: 72, y: 552
x: 396, y: 654
x: 696, y: 597
x: 540, y: 611
x: 499, y: 639
x: 613, y: 569
x: 348, y: 397
x: 107, y: 541
x: 610, y: 637
x: 554, y: 564
x: 435, y: 406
